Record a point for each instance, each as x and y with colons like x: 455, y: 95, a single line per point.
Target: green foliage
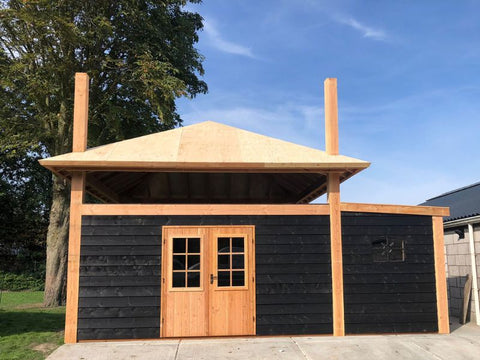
x: 139, y: 54
x: 29, y: 331
x: 17, y: 282
x: 24, y: 209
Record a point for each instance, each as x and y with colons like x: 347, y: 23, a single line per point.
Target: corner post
x: 331, y: 116
x: 440, y: 276
x: 80, y: 127
x: 333, y: 193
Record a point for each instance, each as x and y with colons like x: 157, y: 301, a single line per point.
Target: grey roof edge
x: 464, y: 202
x: 460, y: 217
x: 457, y: 222
x: 454, y: 191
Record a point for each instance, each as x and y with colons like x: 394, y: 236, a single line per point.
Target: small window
x: 186, y: 263
x: 388, y: 249
x: 231, y: 261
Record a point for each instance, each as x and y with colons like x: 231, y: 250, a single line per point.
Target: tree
x: 24, y: 203
x: 140, y: 56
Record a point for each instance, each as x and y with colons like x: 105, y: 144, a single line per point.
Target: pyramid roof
x: 204, y: 146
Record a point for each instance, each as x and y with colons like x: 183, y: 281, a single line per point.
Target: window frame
x: 171, y: 254
x: 230, y: 270
x: 390, y: 242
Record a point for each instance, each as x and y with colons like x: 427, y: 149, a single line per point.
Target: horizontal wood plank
x: 118, y: 312
x: 325, y: 299
x: 138, y: 280
x: 119, y: 301
x: 120, y: 270
x: 395, y: 209
x: 120, y: 322
x: 201, y: 209
x: 140, y: 291
x: 119, y: 334
x: 255, y: 209
x: 295, y: 329
x: 395, y: 328
x: 297, y: 309
x: 295, y: 319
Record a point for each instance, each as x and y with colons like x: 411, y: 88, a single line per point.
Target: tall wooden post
x: 333, y: 193
x: 440, y: 276
x: 80, y: 127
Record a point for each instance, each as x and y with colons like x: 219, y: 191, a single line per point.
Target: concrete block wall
x: 457, y: 255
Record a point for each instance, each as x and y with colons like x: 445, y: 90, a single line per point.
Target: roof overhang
x: 147, y: 166
x: 120, y: 186
x: 207, y: 148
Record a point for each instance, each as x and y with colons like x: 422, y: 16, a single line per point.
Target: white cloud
x: 218, y: 42
x: 367, y: 31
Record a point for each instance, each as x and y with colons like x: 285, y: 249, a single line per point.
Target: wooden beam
x: 331, y: 116
x: 333, y: 196
x: 104, y: 191
x: 396, y: 209
x: 333, y: 186
x: 74, y: 238
x: 77, y: 193
x: 80, y: 113
x: 314, y: 193
x: 158, y: 166
x: 204, y: 209
x: 130, y: 182
x: 440, y: 276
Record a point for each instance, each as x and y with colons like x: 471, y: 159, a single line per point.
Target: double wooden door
x: 208, y: 285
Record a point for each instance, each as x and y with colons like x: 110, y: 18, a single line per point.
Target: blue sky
x: 408, y: 85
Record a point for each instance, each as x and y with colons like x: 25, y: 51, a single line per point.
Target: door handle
x: 212, y: 278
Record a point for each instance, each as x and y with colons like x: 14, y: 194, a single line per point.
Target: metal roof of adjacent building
x: 463, y: 202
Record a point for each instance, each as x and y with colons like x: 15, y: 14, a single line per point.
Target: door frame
x: 207, y: 252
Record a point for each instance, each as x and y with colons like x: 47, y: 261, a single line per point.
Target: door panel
x: 208, y: 284
x: 184, y: 294
x: 231, y: 299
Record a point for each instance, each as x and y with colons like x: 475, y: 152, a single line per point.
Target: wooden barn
x: 208, y: 230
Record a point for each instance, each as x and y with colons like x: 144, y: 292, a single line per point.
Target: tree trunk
x: 57, y: 245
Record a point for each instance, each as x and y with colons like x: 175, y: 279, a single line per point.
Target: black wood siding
x: 120, y: 274
x: 388, y: 297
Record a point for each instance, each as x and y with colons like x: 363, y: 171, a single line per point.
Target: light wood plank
x: 80, y: 113
x: 396, y: 209
x: 71, y: 316
x: 331, y: 116
x: 440, y: 276
x: 232, y: 309
x: 204, y: 209
x: 467, y: 290
x: 184, y: 310
x: 336, y: 254
x: 203, y: 145
x: 158, y: 166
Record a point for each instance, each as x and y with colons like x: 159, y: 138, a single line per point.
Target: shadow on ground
x: 19, y: 322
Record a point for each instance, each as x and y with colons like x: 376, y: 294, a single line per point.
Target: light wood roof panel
x: 207, y: 146
x: 148, y: 168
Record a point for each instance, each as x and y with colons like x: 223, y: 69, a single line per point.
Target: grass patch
x: 15, y: 299
x: 29, y: 331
